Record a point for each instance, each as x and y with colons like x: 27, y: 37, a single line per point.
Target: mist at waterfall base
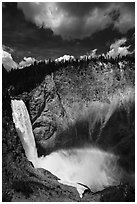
x: 81, y: 167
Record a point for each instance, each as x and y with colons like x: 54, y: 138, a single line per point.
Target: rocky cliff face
x: 61, y: 118
x: 107, y: 125
x: 47, y: 113
x: 58, y: 124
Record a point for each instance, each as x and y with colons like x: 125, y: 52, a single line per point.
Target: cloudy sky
x: 48, y: 29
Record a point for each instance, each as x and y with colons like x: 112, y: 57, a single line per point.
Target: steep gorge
x: 65, y: 121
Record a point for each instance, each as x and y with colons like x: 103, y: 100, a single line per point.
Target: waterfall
x: 91, y: 167
x: 24, y: 129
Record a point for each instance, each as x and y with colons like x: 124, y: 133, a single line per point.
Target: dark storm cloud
x: 79, y: 19
x: 115, y: 15
x: 27, y: 38
x: 21, y: 30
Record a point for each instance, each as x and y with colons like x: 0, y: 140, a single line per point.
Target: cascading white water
x: 24, y: 129
x: 89, y: 166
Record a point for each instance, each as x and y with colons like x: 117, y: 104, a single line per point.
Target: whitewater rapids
x: 78, y: 167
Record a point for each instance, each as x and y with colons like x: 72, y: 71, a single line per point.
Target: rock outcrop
x: 46, y: 113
